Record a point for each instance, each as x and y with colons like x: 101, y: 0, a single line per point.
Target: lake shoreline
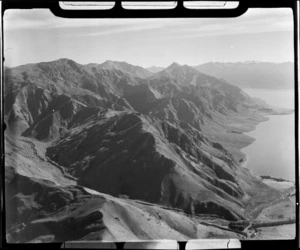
x: 260, y: 142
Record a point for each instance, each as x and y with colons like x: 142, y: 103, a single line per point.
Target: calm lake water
x: 273, y: 151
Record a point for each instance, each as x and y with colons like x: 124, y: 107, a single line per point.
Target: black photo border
x: 178, y: 12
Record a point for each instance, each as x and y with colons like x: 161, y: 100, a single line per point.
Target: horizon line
x: 145, y: 67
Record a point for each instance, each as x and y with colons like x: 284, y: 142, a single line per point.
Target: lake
x: 273, y: 151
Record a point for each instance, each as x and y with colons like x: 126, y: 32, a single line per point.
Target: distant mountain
x: 260, y: 75
x: 125, y: 67
x: 215, y: 95
x: 170, y: 139
x: 155, y: 69
x: 182, y: 74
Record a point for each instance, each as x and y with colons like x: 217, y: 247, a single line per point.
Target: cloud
x: 119, y: 30
x: 44, y: 19
x: 253, y: 21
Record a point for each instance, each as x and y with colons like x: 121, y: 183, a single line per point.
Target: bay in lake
x: 273, y: 151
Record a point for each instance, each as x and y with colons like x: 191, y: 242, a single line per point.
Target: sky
x: 37, y: 35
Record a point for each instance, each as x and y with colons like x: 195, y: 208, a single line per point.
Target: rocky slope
x: 171, y: 139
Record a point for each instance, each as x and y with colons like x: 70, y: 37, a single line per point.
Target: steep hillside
x: 41, y: 212
x: 129, y: 154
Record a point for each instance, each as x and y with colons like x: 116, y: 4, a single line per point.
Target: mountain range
x: 105, y: 151
x: 248, y: 74
x: 251, y: 74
